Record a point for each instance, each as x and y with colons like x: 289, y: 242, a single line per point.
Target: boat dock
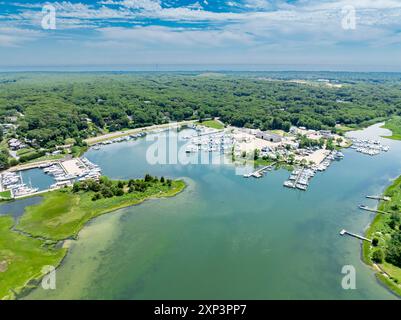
x: 39, y: 164
x: 294, y: 178
x: 366, y: 208
x: 380, y: 198
x: 298, y: 177
x: 210, y: 133
x: 258, y: 173
x: 345, y: 232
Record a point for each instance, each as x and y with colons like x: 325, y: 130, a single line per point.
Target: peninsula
x: 38, y: 238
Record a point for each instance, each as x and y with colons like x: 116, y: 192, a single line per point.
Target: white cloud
x: 150, y: 5
x: 307, y: 23
x: 14, y: 37
x: 257, y: 4
x: 149, y: 36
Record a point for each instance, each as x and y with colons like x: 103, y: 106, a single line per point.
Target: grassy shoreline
x: 43, y: 232
x: 386, y: 273
x: 394, y: 125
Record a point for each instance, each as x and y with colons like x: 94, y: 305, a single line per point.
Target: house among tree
x: 15, y: 144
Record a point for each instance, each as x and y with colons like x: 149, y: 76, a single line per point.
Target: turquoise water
x: 226, y: 237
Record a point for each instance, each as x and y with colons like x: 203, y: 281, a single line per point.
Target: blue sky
x: 307, y: 33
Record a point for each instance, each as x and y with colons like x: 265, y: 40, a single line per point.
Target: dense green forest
x: 48, y: 108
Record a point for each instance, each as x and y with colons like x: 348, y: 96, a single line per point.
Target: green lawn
x: 394, y: 124
x: 344, y: 128
x: 380, y: 229
x: 25, y: 151
x: 5, y: 195
x: 22, y: 258
x: 46, y: 158
x: 212, y: 124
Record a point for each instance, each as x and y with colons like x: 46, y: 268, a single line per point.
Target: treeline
x: 389, y: 250
x: 4, y: 159
x: 54, y: 107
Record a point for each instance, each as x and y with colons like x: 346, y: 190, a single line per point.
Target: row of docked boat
x: 59, y: 175
x: 89, y: 171
x: 301, y: 177
x: 24, y: 190
x: 13, y: 182
x: 213, y: 143
x: 10, y: 179
x: 119, y: 139
x: 369, y: 147
x: 92, y: 171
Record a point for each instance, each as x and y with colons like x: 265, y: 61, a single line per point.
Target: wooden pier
x: 258, y: 173
x: 345, y: 232
x: 209, y: 133
x: 380, y: 198
x: 362, y: 207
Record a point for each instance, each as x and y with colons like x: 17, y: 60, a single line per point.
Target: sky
x: 296, y: 34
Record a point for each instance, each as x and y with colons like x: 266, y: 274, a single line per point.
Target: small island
x: 38, y: 238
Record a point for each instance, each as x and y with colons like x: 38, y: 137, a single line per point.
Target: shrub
x: 119, y: 192
x: 393, y: 252
x: 96, y: 196
x: 13, y: 162
x: 378, y: 256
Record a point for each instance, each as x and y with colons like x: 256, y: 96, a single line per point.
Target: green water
x: 226, y: 237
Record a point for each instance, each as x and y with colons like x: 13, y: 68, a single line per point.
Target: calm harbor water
x: 226, y: 237
x: 37, y: 178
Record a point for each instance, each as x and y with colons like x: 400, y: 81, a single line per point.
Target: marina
x: 210, y: 140
x: 62, y: 173
x: 368, y: 146
x: 301, y: 176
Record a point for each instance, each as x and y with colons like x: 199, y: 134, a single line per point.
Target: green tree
x: 378, y: 256
x: 96, y: 196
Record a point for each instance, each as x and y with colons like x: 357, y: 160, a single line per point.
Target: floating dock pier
x: 380, y: 198
x: 345, y: 232
x: 209, y: 133
x: 258, y: 173
x: 366, y: 208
